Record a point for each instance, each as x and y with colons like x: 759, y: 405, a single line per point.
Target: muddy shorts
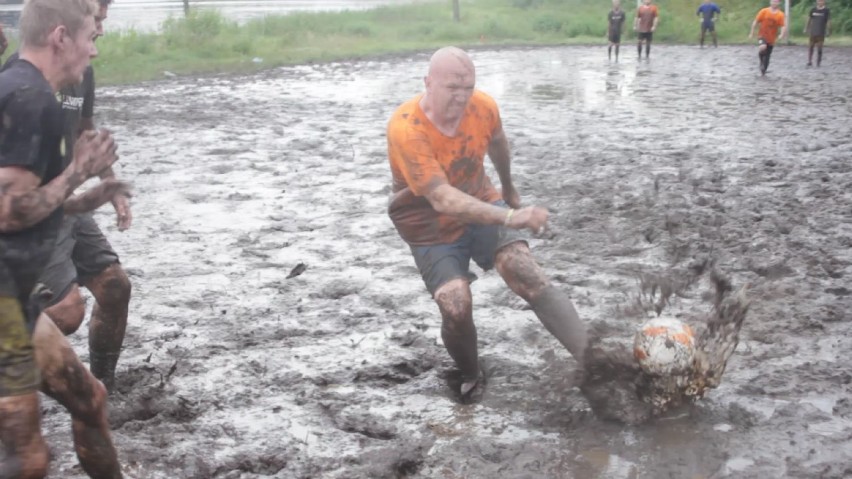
x: 646, y: 36
x: 444, y: 262
x: 615, y: 37
x: 708, y: 26
x: 817, y: 39
x: 81, y: 253
x: 18, y: 372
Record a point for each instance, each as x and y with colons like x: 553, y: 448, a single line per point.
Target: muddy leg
x: 810, y: 53
x: 819, y: 53
x: 457, y: 328
x: 552, y: 306
x: 715, y: 39
x: 111, y: 290
x: 609, y: 52
x: 68, y: 314
x: 701, y: 41
x: 67, y: 380
x: 616, y: 51
x: 20, y: 431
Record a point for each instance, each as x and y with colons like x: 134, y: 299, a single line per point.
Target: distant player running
x: 615, y: 27
x: 818, y: 27
x: 771, y: 19
x: 707, y: 11
x: 647, y: 17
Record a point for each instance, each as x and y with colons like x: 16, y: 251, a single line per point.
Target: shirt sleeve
x: 89, y: 95
x: 23, y: 129
x: 416, y: 160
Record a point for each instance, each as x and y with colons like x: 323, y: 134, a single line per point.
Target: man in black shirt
x: 57, y: 44
x: 83, y: 255
x: 615, y: 27
x: 818, y: 27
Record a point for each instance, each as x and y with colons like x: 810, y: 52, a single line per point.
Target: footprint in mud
x: 143, y: 394
x: 399, y: 371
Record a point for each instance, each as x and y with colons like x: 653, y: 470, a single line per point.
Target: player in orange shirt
x: 771, y: 19
x: 645, y: 22
x: 447, y: 210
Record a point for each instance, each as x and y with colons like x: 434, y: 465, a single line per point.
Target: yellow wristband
x: 508, y: 217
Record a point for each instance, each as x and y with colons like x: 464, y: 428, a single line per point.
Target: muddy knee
x: 31, y: 465
x: 35, y: 463
x: 519, y: 269
x: 454, y: 300
x: 68, y: 314
x: 111, y: 288
x: 26, y: 452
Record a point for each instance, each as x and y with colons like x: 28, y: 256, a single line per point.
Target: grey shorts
x: 444, y: 262
x: 81, y: 253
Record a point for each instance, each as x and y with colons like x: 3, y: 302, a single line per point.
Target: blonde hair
x: 40, y: 17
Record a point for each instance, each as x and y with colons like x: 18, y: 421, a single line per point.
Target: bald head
x: 449, y: 85
x: 451, y: 60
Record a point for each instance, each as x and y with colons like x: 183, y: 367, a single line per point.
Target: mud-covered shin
x: 102, y: 365
x: 556, y: 312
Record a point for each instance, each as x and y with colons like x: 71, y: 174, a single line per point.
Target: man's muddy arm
x: 451, y: 201
x: 23, y: 204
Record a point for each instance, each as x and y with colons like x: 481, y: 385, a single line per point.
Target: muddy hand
x: 92, y: 199
x: 533, y: 218
x: 124, y: 217
x: 94, y: 151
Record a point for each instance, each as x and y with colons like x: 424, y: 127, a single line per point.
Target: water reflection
x: 547, y: 92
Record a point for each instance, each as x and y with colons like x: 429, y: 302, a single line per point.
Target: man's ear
x: 58, y: 38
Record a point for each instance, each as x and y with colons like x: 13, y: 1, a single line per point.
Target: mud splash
x: 233, y: 370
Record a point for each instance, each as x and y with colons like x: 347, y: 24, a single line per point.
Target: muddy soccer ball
x: 664, y: 346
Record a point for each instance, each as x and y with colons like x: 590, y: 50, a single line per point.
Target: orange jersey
x: 422, y: 158
x: 646, y: 15
x: 769, y: 24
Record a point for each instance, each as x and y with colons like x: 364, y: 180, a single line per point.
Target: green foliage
x: 841, y: 16
x: 547, y: 24
x: 526, y: 4
x: 206, y: 41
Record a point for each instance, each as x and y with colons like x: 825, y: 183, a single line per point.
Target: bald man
x: 447, y: 210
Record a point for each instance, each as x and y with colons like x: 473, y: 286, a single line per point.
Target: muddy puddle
x: 233, y: 370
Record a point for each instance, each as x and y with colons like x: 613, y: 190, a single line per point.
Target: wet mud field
x: 237, y: 367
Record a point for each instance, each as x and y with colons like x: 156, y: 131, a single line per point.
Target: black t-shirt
x: 819, y: 21
x: 616, y: 20
x: 30, y: 137
x: 77, y: 101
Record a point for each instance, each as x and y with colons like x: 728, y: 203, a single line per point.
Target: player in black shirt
x: 818, y: 27
x: 57, y: 44
x: 615, y: 27
x: 83, y: 255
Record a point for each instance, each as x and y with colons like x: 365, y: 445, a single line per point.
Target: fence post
x: 185, y: 8
x: 456, y: 11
